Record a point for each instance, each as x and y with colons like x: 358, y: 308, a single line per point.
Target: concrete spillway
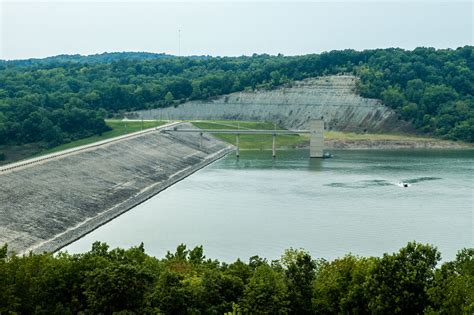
x: 332, y: 97
x: 47, y: 204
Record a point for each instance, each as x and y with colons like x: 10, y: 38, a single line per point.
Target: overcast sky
x: 46, y: 28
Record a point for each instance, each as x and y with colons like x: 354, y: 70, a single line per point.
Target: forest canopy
x: 118, y: 281
x: 63, y: 98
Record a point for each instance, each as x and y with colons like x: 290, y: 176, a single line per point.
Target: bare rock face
x: 46, y: 205
x: 331, y: 97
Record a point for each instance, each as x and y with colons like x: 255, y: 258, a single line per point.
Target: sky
x: 37, y: 29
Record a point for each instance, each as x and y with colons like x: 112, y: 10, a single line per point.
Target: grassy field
x: 119, y: 128
x: 264, y: 142
x: 254, y: 142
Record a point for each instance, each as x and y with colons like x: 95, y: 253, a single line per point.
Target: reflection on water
x: 350, y: 203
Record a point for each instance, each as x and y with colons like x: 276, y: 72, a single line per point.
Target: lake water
x: 350, y: 203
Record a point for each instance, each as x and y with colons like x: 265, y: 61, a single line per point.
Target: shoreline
x: 374, y: 145
x: 395, y: 144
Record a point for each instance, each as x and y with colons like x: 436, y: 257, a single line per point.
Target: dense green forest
x: 63, y: 98
x: 119, y: 281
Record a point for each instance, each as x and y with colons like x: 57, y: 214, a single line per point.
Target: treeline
x: 433, y: 88
x: 97, y: 58
x: 119, y: 281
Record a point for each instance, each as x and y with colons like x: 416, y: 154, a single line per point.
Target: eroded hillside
x: 330, y: 97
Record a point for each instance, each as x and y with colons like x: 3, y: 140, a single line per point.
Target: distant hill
x: 63, y: 98
x: 96, y: 58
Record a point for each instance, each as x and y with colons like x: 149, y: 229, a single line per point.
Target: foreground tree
x: 266, y: 293
x: 453, y: 286
x: 299, y: 275
x: 339, y: 286
x: 104, y: 281
x: 399, y: 283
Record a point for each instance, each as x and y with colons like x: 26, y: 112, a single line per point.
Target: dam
x: 48, y: 202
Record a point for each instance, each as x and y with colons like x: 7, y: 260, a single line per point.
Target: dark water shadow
x: 362, y: 184
x: 420, y: 179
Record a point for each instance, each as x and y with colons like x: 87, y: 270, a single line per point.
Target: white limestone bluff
x: 330, y: 97
x: 47, y: 203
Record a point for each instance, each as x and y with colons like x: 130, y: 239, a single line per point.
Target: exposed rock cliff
x: 331, y: 97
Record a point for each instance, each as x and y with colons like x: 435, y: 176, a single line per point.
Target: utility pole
x: 179, y: 42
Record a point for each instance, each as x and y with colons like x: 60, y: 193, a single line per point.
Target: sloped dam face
x: 48, y: 204
x: 331, y: 97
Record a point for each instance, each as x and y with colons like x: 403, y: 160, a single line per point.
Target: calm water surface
x: 350, y: 203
